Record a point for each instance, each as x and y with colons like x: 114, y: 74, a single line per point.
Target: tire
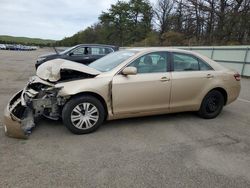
x: 211, y: 105
x: 83, y: 114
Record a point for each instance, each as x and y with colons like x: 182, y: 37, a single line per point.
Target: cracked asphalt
x: 176, y: 150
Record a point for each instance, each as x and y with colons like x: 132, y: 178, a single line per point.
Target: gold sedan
x: 127, y: 83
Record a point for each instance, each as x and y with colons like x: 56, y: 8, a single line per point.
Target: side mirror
x: 129, y: 71
x: 71, y: 53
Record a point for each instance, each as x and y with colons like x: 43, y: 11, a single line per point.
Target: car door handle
x: 86, y: 57
x: 164, y: 79
x: 210, y: 76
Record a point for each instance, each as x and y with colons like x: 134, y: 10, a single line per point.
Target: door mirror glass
x: 129, y: 71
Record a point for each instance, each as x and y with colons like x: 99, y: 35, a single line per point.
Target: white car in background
x: 2, y: 47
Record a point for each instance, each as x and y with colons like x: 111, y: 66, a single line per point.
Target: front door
x: 148, y: 90
x: 81, y: 54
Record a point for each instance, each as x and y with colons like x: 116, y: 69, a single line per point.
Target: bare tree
x: 162, y: 14
x: 183, y: 22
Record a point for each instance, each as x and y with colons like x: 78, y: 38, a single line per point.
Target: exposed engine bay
x: 40, y: 96
x: 69, y: 75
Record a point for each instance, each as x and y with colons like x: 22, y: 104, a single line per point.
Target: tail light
x: 237, y: 76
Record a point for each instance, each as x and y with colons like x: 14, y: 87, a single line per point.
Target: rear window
x: 187, y: 62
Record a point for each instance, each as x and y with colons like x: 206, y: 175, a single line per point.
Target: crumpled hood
x: 50, y: 70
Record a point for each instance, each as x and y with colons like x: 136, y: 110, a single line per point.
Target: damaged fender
x: 37, y: 98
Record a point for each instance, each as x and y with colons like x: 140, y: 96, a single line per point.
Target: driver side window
x: 151, y: 63
x: 80, y: 51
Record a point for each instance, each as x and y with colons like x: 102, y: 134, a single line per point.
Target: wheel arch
x: 96, y: 95
x: 223, y: 92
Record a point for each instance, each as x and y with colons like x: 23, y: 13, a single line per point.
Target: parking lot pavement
x: 176, y: 150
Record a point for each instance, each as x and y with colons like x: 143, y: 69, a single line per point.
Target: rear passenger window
x: 186, y: 62
x: 108, y: 50
x: 100, y: 51
x: 204, y: 66
x: 97, y: 51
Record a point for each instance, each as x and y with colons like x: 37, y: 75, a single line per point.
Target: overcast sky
x: 49, y: 19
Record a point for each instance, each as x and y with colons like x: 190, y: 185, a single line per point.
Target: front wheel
x: 211, y: 105
x: 83, y: 114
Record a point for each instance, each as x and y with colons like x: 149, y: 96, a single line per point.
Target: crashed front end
x: 38, y: 98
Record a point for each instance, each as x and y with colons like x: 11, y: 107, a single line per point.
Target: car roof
x: 100, y: 45
x: 142, y: 50
x: 153, y: 49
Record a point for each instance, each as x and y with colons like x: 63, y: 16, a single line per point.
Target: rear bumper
x: 18, y: 120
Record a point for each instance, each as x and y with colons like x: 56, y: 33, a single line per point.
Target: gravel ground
x: 177, y: 150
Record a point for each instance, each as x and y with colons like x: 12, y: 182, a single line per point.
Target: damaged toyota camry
x: 128, y: 83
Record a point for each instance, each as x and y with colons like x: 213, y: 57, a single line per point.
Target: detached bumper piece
x: 18, y: 119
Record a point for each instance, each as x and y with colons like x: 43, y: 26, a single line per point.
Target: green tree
x: 127, y: 22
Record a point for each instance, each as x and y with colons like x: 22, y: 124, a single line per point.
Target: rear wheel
x: 211, y: 105
x: 83, y: 114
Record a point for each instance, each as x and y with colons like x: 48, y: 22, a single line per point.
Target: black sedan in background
x: 82, y: 53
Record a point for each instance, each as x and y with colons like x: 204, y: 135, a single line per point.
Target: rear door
x: 148, y: 90
x: 190, y: 78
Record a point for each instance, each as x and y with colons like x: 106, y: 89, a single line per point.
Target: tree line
x: 169, y: 22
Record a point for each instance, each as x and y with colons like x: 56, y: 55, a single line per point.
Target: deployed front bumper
x: 18, y: 120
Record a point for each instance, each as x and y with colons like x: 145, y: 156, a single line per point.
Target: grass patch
x: 24, y: 40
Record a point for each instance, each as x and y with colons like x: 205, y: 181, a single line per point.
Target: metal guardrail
x: 243, y: 53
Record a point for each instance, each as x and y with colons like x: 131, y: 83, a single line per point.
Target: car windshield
x: 112, y: 60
